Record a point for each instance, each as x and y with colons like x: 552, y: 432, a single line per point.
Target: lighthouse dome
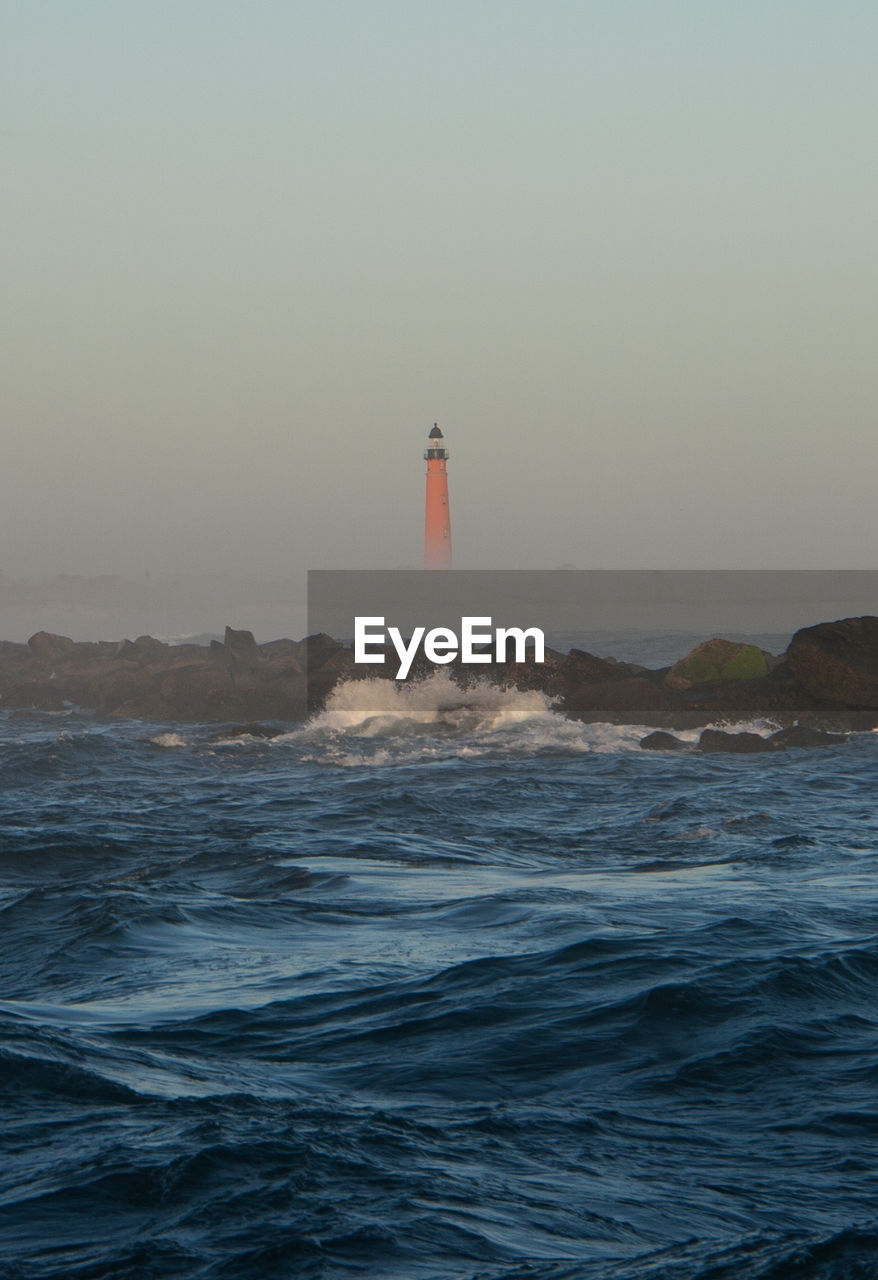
x: 435, y: 434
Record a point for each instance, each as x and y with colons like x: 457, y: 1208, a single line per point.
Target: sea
x: 438, y: 986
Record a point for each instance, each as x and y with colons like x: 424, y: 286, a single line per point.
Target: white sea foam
x: 243, y: 740
x: 168, y: 740
x: 372, y: 707
x: 381, y: 722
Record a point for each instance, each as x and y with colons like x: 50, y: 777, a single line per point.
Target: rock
x: 261, y: 696
x: 281, y: 648
x: 239, y: 641
x: 46, y: 645
x: 717, y: 660
x: 581, y: 667
x: 626, y: 701
x: 662, y: 741
x: 838, y: 661
x: 39, y: 695
x: 147, y: 679
x: 282, y: 671
x: 800, y: 735
x: 544, y: 676
x: 327, y: 663
x: 736, y: 743
x: 318, y: 648
x: 143, y: 649
x: 108, y: 688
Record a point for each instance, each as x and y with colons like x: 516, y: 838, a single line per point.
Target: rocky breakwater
x: 146, y: 679
x: 827, y: 679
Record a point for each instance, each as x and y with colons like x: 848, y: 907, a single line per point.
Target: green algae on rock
x: 717, y: 660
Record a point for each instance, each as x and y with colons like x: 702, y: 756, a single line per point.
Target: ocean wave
x: 512, y: 999
x: 380, y: 722
x: 849, y: 1254
x: 168, y: 740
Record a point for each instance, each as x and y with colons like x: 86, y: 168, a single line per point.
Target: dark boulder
x: 580, y: 667
x: 662, y: 741
x: 838, y: 661
x: 46, y: 645
x: 143, y: 649
x: 239, y: 641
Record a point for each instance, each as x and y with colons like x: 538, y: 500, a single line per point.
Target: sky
x: 621, y: 250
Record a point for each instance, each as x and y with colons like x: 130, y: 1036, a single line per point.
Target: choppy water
x: 440, y: 986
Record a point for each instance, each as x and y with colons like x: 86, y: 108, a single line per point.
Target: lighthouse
x: 437, y: 522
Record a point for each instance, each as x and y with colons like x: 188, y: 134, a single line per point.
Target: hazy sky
x: 622, y: 250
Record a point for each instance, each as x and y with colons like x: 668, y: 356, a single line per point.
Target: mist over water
x: 623, y: 254
x: 170, y: 608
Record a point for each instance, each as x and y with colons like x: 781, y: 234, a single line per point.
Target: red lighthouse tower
x: 437, y: 522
